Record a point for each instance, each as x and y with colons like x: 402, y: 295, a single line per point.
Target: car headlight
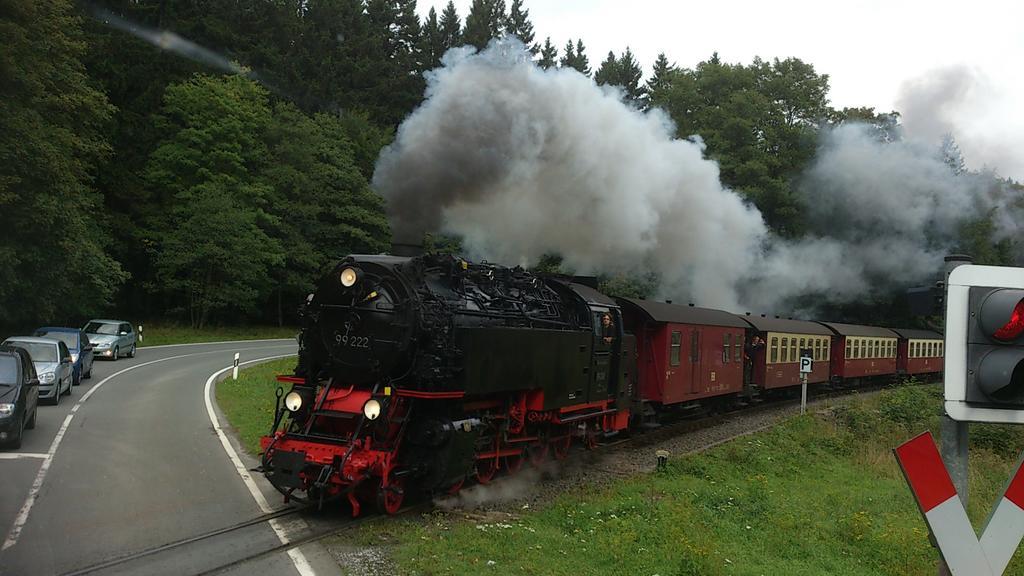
x: 47, y: 377
x: 371, y: 409
x: 6, y: 409
x: 293, y: 401
x: 74, y: 357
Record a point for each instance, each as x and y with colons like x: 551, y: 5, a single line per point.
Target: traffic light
x: 984, y: 364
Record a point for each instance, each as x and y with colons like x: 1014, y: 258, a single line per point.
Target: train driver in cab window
x: 607, y: 329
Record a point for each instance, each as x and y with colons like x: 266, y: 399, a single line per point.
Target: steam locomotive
x: 418, y: 373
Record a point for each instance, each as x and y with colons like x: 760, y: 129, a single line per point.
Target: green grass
x: 818, y: 494
x: 248, y: 403
x: 158, y: 335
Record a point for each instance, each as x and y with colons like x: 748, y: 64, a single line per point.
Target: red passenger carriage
x: 919, y: 352
x: 685, y: 353
x: 862, y: 351
x: 777, y: 364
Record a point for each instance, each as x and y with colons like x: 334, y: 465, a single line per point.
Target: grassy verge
x: 248, y: 403
x: 819, y: 494
x: 158, y: 335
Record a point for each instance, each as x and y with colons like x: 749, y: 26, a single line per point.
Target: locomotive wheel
x: 561, y: 447
x: 486, y: 469
x: 513, y: 463
x: 390, y: 499
x: 537, y: 453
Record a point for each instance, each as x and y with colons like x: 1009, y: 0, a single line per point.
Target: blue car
x: 77, y: 343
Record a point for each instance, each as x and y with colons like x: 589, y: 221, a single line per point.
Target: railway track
x: 143, y: 561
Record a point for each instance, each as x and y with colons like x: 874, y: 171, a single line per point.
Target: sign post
x: 806, y: 366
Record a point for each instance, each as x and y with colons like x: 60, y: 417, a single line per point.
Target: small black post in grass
x: 662, y: 456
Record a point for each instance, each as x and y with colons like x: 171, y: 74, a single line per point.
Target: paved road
x: 139, y: 465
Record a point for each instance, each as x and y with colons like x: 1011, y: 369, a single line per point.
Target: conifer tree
x: 629, y: 75
x: 575, y: 57
x: 548, y: 55
x: 608, y: 72
x: 484, y: 21
x: 660, y: 80
x: 451, y: 27
x: 431, y: 42
x: 518, y: 24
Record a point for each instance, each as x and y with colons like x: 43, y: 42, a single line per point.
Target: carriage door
x: 695, y: 361
x: 601, y: 363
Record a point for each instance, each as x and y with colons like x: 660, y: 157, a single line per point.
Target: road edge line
x: 298, y: 558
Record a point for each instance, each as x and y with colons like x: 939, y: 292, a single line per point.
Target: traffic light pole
x: 953, y: 434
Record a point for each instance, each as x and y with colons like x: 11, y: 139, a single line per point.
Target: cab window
x: 737, y: 351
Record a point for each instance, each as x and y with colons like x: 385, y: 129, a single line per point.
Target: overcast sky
x: 948, y: 66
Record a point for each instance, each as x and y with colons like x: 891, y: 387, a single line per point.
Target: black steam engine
x: 418, y: 373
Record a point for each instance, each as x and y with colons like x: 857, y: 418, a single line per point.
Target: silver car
x: 53, y: 364
x: 111, y: 338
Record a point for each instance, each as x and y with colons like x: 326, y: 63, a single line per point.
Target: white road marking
x: 302, y: 565
x: 17, y: 455
x: 37, y: 484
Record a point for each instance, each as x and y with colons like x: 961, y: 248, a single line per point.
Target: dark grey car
x: 111, y: 338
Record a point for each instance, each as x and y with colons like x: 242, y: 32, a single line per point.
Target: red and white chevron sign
x: 964, y: 553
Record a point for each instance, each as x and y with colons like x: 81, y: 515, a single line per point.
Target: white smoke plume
x: 521, y: 161
x: 967, y: 103
x: 881, y: 215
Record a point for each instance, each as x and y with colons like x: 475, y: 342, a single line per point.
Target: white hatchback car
x: 111, y: 338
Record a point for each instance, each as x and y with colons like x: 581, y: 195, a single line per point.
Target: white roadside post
x: 806, y: 365
x: 140, y: 332
x: 234, y: 369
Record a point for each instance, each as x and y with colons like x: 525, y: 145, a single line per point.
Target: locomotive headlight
x: 371, y: 409
x: 349, y: 277
x: 293, y: 401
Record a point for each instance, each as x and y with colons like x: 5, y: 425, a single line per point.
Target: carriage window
x: 726, y: 343
x: 817, y: 349
x: 858, y: 348
x: 737, y: 351
x: 677, y: 342
x: 931, y: 349
x: 785, y: 350
x: 775, y: 350
x: 794, y: 352
x: 849, y: 348
x: 941, y: 345
x: 694, y: 346
x: 828, y: 349
x: 878, y: 349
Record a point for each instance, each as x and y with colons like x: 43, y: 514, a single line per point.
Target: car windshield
x: 8, y: 371
x: 101, y: 328
x: 69, y: 338
x: 37, y: 350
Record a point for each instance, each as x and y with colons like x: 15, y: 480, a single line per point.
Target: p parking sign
x: 806, y: 364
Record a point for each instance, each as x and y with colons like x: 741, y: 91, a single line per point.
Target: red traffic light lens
x: 1015, y: 327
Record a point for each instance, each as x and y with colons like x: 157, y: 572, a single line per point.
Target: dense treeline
x: 144, y: 174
